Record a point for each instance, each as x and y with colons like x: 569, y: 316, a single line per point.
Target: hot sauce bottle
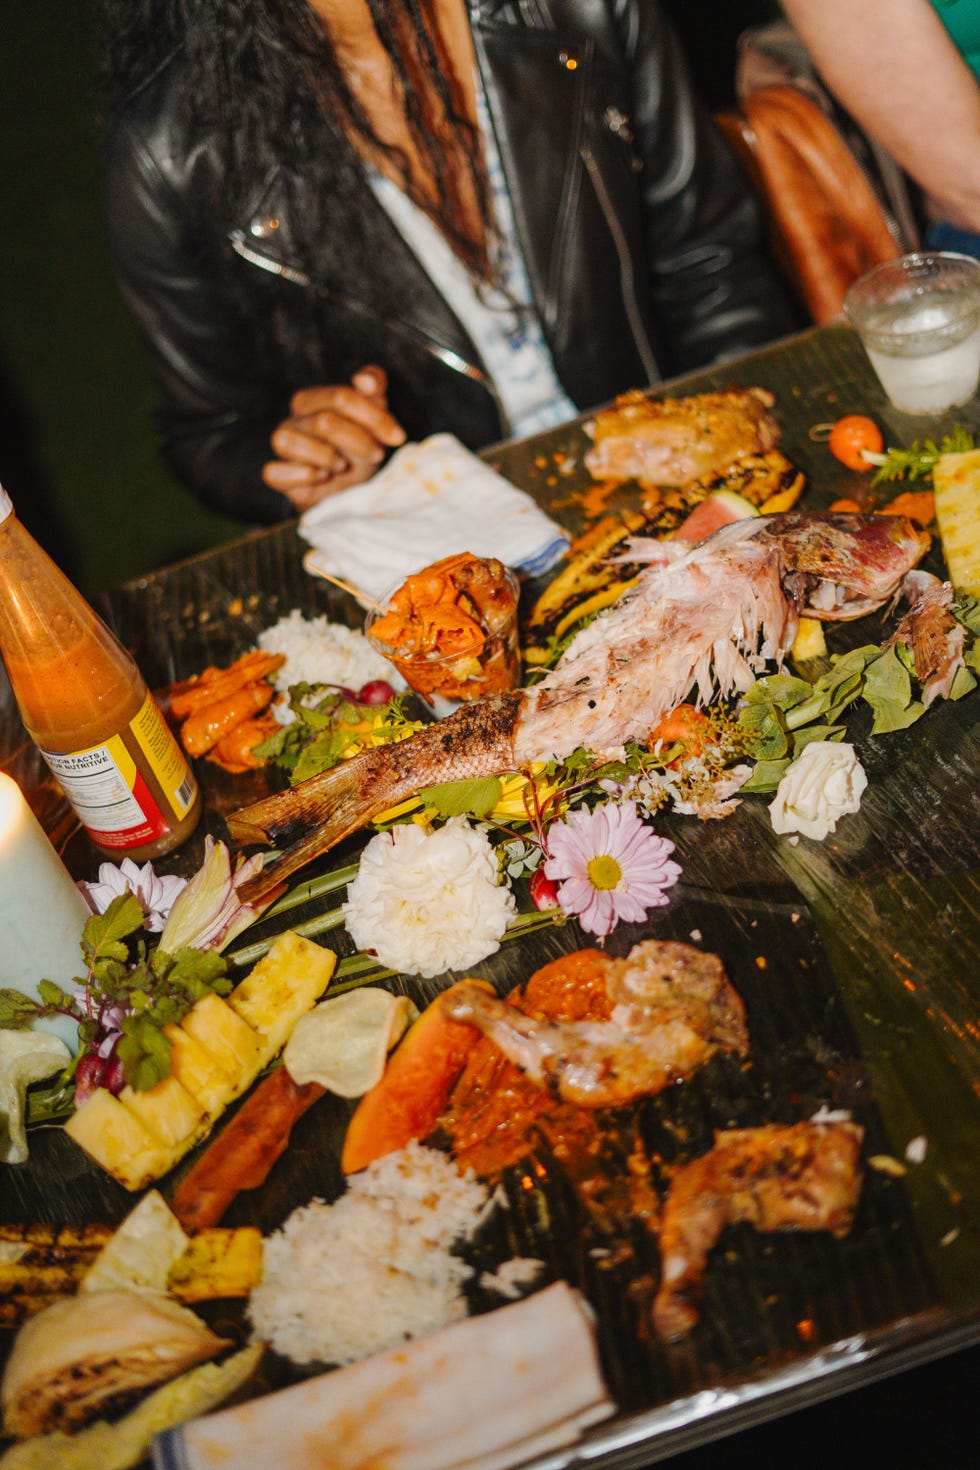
x: 87, y: 707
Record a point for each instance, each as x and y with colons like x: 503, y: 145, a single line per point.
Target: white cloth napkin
x: 431, y: 500
x: 484, y: 1393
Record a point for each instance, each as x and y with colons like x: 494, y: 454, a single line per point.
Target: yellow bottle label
x: 108, y: 787
x: 165, y: 757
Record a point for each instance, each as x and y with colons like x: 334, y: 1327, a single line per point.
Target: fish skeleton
x: 709, y: 616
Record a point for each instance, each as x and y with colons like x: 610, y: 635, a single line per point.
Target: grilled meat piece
x: 672, y: 1009
x: 801, y: 1176
x: 672, y: 441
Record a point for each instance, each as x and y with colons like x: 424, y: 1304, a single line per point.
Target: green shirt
x: 962, y: 19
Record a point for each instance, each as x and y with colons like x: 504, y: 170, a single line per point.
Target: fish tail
x: 320, y: 812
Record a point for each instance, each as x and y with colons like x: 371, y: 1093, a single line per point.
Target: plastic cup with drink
x: 919, y: 319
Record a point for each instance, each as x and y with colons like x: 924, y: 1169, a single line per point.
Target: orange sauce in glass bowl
x: 451, y: 629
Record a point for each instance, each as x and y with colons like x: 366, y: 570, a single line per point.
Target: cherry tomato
x: 851, y: 436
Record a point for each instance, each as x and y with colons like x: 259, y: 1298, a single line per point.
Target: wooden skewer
x: 355, y: 592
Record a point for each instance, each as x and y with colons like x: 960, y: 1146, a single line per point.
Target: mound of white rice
x: 320, y: 652
x: 346, y: 1280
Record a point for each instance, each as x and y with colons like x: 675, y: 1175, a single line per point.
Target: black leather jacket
x: 639, y: 233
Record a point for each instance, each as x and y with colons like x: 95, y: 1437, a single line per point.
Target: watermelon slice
x: 714, y: 511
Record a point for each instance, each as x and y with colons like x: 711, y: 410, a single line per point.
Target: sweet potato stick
x: 242, y: 1155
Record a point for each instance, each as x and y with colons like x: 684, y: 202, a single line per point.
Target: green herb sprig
x: 919, y: 460
x: 127, y: 986
x: 782, y: 713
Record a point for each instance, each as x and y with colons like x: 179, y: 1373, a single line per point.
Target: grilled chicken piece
x: 672, y: 1009
x: 803, y: 1176
x: 672, y: 441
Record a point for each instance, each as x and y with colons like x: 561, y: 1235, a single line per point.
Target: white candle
x: 42, y: 912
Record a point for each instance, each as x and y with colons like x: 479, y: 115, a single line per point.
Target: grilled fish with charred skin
x: 712, y: 616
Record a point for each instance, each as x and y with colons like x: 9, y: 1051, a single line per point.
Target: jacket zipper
x: 627, y: 274
x: 443, y: 354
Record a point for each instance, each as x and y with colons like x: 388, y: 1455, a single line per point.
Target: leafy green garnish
x: 781, y: 714
x: 322, y: 732
x: 919, y: 459
x: 476, y: 798
x: 126, y: 987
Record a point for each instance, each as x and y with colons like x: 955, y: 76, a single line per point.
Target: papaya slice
x: 406, y: 1104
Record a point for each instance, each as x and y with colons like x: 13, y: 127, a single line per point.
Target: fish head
x: 840, y: 566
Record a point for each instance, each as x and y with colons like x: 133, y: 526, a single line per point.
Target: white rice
x: 346, y: 1280
x: 320, y: 652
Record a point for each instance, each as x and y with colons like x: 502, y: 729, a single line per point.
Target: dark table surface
x: 858, y: 959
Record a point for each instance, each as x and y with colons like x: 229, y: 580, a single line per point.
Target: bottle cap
x: 6, y: 505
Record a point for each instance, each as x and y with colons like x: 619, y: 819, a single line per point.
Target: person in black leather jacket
x: 295, y: 336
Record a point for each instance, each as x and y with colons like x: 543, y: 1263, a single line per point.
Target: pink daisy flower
x: 610, y: 865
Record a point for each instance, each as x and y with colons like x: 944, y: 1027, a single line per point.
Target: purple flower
x: 156, y: 892
x: 610, y: 866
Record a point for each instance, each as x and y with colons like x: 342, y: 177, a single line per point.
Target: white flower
x: 156, y: 893
x: 428, y: 901
x: 823, y: 783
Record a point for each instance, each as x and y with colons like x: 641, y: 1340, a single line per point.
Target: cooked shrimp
x: 203, y: 730
x: 215, y: 684
x: 235, y: 751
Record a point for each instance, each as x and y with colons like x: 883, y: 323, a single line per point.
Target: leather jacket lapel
x: 263, y: 238
x: 536, y: 101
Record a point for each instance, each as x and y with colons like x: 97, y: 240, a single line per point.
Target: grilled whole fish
x: 709, y: 617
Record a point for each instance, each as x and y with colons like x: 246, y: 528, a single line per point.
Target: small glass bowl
x: 444, y: 681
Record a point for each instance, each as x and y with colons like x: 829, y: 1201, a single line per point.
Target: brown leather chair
x: 826, y: 224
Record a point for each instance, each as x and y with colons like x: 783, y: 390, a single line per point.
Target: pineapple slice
x: 117, y: 1140
x: 168, y: 1111
x: 237, y: 1049
x: 217, y: 1263
x: 809, y: 641
x: 285, y: 984
x: 956, y: 483
x: 217, y: 1051
x: 198, y: 1071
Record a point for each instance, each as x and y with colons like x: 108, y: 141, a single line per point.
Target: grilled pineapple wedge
x: 956, y: 483
x: 217, y: 1051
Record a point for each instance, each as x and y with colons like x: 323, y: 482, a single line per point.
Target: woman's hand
x: 336, y: 436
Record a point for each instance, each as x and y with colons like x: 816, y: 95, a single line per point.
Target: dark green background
x: 77, y: 453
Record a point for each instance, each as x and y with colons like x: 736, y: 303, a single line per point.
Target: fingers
x: 303, y: 486
x: 364, y: 407
x: 336, y: 436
